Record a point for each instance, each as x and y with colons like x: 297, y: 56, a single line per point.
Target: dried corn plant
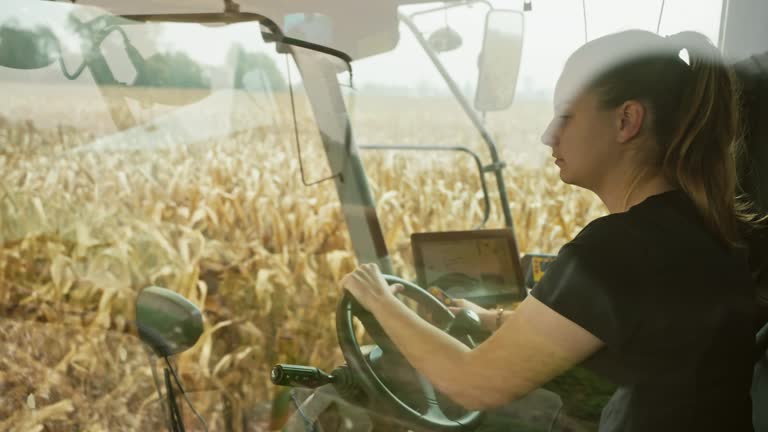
x: 228, y: 224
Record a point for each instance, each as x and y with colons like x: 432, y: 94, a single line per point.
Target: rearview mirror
x: 167, y: 322
x: 27, y: 48
x: 444, y: 40
x: 499, y: 61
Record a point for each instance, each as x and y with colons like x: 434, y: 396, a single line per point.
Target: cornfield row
x: 229, y: 225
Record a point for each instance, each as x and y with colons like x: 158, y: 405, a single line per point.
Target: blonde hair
x: 695, y: 114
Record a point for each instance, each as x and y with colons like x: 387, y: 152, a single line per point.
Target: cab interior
x: 152, y: 184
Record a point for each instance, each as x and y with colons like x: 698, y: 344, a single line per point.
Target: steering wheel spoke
x: 427, y: 390
x: 433, y: 407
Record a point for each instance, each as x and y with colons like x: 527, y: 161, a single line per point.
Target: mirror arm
x: 508, y: 222
x: 451, y: 6
x: 74, y: 75
x: 103, y: 35
x: 109, y: 89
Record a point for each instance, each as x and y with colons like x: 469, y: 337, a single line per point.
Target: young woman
x: 657, y: 295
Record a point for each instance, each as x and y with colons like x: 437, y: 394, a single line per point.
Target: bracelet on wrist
x: 499, y: 313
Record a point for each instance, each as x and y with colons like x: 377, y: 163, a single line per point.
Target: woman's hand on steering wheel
x: 368, y: 287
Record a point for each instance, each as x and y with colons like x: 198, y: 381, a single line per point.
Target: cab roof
x: 359, y: 28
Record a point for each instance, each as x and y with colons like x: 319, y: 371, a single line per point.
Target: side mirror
x: 499, y: 61
x: 27, y: 48
x: 167, y: 322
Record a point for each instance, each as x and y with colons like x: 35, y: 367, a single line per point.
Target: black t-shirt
x: 675, y: 309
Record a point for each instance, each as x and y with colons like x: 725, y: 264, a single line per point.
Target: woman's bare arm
x: 533, y: 345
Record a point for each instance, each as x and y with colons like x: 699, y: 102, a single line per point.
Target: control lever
x: 299, y: 376
x: 311, y: 377
x: 467, y: 323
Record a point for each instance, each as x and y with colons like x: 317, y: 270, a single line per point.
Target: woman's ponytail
x: 701, y: 156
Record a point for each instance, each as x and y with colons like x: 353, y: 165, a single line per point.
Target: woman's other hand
x: 368, y: 287
x: 487, y: 317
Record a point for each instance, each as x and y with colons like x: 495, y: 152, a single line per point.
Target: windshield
x: 150, y: 178
x: 249, y: 175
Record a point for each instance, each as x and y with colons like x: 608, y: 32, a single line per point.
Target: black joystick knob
x: 467, y: 322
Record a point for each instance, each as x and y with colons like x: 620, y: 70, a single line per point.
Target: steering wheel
x: 434, y: 418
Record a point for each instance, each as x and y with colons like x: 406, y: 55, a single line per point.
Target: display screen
x: 482, y: 266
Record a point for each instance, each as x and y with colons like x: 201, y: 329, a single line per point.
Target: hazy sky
x: 553, y: 30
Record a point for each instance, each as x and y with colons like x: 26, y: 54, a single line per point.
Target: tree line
x: 37, y: 47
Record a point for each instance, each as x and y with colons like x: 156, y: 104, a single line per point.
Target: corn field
x: 228, y: 224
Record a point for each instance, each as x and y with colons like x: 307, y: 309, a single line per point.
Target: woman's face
x: 582, y: 136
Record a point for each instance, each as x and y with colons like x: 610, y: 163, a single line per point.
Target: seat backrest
x: 760, y: 384
x: 753, y: 77
x: 753, y: 166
